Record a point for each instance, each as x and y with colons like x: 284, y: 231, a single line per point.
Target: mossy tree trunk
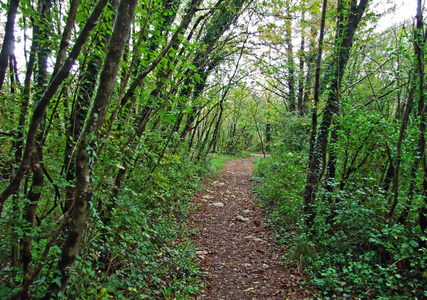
x: 348, y: 21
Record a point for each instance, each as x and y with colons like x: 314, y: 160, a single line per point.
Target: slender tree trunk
x: 311, y: 180
x: 259, y: 134
x: 290, y: 58
x: 14, y: 220
x: 81, y: 105
x: 8, y: 48
x: 37, y: 181
x: 311, y: 64
x: 87, y: 147
x: 267, y: 136
x: 332, y: 163
x: 192, y: 9
x: 398, y: 159
x: 212, y: 144
x: 44, y: 102
x: 66, y: 34
x: 300, y: 104
x: 419, y: 52
x: 344, y: 39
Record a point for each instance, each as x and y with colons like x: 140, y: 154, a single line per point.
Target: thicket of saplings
x: 350, y: 251
x: 139, y: 249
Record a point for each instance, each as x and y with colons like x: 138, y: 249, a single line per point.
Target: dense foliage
x: 361, y: 232
x: 111, y: 110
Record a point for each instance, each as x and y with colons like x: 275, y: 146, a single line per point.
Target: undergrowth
x: 137, y: 248
x: 350, y: 252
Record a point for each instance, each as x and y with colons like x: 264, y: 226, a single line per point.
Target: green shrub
x: 349, y: 252
x: 280, y: 186
x: 355, y: 255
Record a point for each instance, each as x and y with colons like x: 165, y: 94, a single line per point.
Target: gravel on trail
x: 237, y: 258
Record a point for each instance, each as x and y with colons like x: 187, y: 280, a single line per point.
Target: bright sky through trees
x: 396, y: 11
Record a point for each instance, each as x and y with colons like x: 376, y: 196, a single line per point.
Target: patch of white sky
x: 393, y: 12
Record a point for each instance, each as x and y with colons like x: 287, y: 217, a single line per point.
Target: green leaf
x: 413, y: 243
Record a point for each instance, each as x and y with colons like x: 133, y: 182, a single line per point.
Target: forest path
x: 236, y: 257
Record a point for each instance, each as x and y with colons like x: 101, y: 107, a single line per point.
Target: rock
x: 208, y: 197
x: 250, y: 237
x: 217, y: 183
x: 247, y: 211
x: 218, y: 204
x: 201, y: 253
x: 257, y: 239
x: 242, y: 219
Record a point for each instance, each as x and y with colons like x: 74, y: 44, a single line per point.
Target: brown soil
x: 237, y: 258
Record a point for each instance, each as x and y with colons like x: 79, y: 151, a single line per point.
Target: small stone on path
x: 236, y: 261
x: 242, y: 219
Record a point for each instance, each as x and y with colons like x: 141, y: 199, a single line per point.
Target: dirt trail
x: 237, y: 259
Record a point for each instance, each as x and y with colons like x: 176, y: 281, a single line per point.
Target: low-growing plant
x: 349, y: 252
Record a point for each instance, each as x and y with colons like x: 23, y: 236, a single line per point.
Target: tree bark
x: 8, y: 48
x: 81, y: 105
x: 66, y: 34
x: 344, y: 42
x: 87, y: 147
x: 45, y: 100
x: 290, y: 59
x: 419, y: 52
x: 311, y: 179
x: 37, y: 181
